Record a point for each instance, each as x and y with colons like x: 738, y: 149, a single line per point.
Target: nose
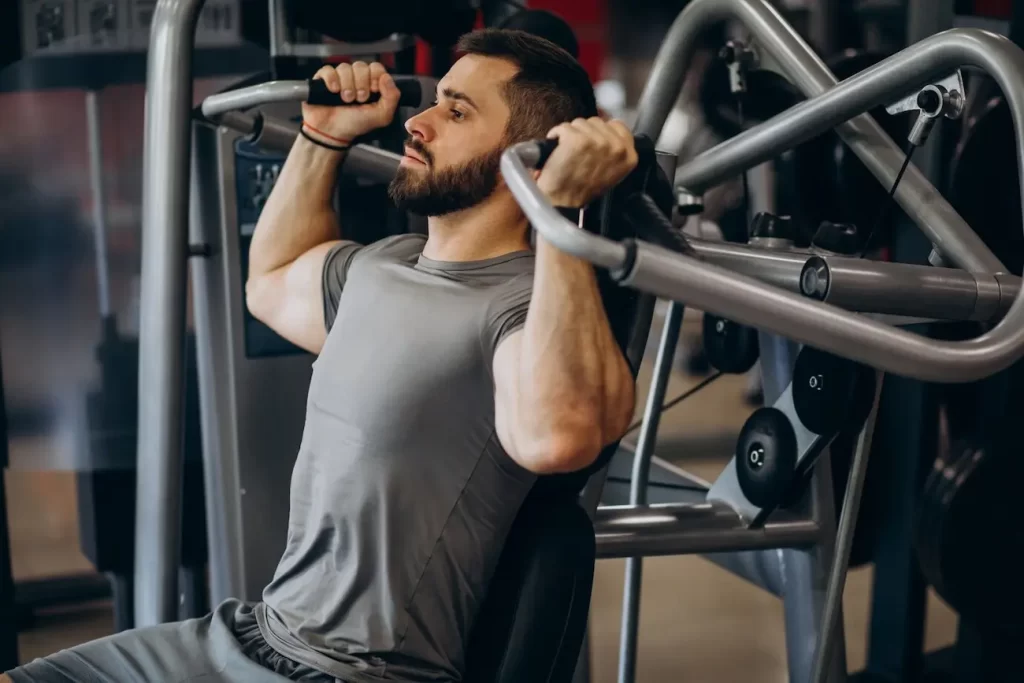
x: 419, y: 126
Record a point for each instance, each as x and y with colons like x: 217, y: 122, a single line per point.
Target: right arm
x: 298, y: 225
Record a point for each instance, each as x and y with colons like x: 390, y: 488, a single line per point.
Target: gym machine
x: 724, y: 519
x: 741, y: 510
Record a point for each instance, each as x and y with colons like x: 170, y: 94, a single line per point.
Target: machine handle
x: 410, y: 87
x: 311, y: 91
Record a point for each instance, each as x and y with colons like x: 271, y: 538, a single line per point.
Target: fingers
x: 348, y: 82
x: 376, y: 71
x: 389, y: 92
x: 361, y: 80
x: 330, y: 78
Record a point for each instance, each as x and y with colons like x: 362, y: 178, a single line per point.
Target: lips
x: 409, y: 154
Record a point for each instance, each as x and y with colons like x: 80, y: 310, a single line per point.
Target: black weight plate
x: 823, y: 388
x: 728, y: 346
x: 930, y: 511
x: 984, y: 183
x: 980, y: 536
x: 766, y: 457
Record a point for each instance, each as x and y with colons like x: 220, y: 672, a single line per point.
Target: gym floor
x: 698, y: 623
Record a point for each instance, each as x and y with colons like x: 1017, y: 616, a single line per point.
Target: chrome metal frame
x: 708, y: 287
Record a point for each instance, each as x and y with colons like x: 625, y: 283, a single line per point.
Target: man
x: 451, y: 371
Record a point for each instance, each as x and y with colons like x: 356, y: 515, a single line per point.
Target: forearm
x: 573, y: 377
x: 299, y: 213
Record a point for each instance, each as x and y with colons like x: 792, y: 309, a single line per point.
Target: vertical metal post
x: 165, y: 201
x: 280, y: 32
x: 99, y: 205
x: 830, y: 632
x: 805, y: 577
x: 638, y: 486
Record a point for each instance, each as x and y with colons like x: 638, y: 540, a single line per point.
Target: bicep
x: 290, y: 299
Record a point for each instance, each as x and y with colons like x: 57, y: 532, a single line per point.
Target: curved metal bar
x: 255, y: 96
x: 748, y: 301
x: 922, y: 202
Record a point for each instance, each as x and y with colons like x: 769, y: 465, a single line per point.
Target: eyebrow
x: 461, y: 96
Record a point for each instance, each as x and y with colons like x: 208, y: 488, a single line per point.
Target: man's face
x: 453, y: 153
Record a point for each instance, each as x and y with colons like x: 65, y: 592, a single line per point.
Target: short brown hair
x: 550, y: 88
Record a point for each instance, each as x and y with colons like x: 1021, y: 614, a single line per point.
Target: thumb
x: 389, y: 92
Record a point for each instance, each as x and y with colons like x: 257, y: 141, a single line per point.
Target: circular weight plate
x: 823, y: 389
x: 980, y: 535
x: 729, y: 347
x: 931, y: 503
x: 766, y: 457
x: 983, y: 185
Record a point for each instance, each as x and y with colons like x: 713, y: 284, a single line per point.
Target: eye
x: 457, y: 115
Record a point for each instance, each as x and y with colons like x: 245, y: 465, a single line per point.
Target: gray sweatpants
x: 225, y: 645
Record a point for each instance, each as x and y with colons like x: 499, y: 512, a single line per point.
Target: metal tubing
x: 165, y: 204
x: 276, y: 134
x: 372, y: 163
x: 255, y: 96
x: 886, y: 82
x: 638, y: 486
x: 906, y: 289
x: 779, y: 268
x: 808, y: 72
x: 99, y: 204
x: 561, y: 233
x: 844, y: 543
x: 749, y: 302
x: 684, y: 529
x: 804, y: 572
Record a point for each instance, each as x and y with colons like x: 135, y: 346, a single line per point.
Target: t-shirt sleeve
x: 506, y: 313
x: 336, y: 266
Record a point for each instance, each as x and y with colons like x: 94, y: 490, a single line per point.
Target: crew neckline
x: 472, y: 265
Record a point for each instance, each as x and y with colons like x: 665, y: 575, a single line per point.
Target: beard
x: 437, y: 192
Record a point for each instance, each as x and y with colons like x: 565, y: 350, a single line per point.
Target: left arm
x: 563, y: 389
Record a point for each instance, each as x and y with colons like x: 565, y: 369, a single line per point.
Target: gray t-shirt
x: 402, y: 495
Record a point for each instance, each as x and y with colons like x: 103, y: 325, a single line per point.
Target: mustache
x: 416, y: 145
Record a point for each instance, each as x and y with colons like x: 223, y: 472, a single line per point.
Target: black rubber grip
x: 412, y: 93
x: 545, y: 148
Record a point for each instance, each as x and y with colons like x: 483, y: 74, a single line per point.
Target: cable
x: 678, y: 399
x: 884, y: 213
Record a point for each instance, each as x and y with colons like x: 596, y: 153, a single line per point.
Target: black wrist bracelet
x: 319, y: 143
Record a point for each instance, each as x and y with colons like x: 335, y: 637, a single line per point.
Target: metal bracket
x: 952, y: 97
x: 726, y: 488
x: 740, y: 58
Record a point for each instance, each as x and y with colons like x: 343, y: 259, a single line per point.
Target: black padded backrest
x: 532, y: 623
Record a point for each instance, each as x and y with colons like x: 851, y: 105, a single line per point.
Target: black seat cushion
x: 533, y: 621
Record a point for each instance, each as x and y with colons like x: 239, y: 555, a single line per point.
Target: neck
x: 493, y: 228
